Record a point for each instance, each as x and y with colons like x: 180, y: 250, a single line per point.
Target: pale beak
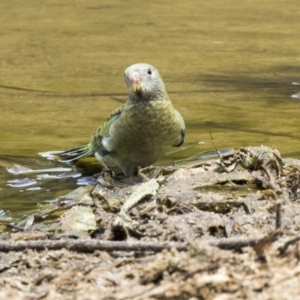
x: 136, y: 83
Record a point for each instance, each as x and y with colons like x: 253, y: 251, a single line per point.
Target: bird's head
x: 144, y: 83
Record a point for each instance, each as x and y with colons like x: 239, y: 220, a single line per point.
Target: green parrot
x: 139, y: 132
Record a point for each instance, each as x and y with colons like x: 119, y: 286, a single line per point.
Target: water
x: 228, y: 67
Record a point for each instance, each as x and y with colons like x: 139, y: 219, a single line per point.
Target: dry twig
x: 283, y: 248
x: 278, y: 216
x: 92, y: 245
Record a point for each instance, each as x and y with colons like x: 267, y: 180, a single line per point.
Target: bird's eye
x: 149, y: 71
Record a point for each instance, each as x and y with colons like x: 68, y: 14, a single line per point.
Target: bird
x: 141, y: 131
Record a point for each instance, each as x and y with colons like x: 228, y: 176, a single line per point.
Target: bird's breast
x: 145, y: 130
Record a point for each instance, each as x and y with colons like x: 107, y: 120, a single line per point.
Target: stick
x: 234, y: 243
x: 215, y: 146
x: 89, y: 246
x: 278, y: 216
x: 283, y: 248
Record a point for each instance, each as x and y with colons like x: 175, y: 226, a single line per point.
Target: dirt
x: 250, y: 195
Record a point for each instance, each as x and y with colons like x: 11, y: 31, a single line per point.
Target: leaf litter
x: 163, y: 235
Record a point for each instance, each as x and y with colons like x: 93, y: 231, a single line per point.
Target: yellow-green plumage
x: 139, y: 132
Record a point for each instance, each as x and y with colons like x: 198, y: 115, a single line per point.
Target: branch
x: 234, y: 243
x: 278, y: 216
x: 283, y: 248
x: 89, y: 246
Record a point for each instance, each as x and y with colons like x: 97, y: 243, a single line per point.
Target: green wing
x: 95, y: 145
x: 103, y: 131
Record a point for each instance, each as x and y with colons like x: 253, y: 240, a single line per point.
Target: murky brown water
x: 228, y: 67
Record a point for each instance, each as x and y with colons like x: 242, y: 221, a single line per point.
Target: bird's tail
x: 75, y: 153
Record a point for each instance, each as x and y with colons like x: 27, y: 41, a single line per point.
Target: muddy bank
x: 163, y: 235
